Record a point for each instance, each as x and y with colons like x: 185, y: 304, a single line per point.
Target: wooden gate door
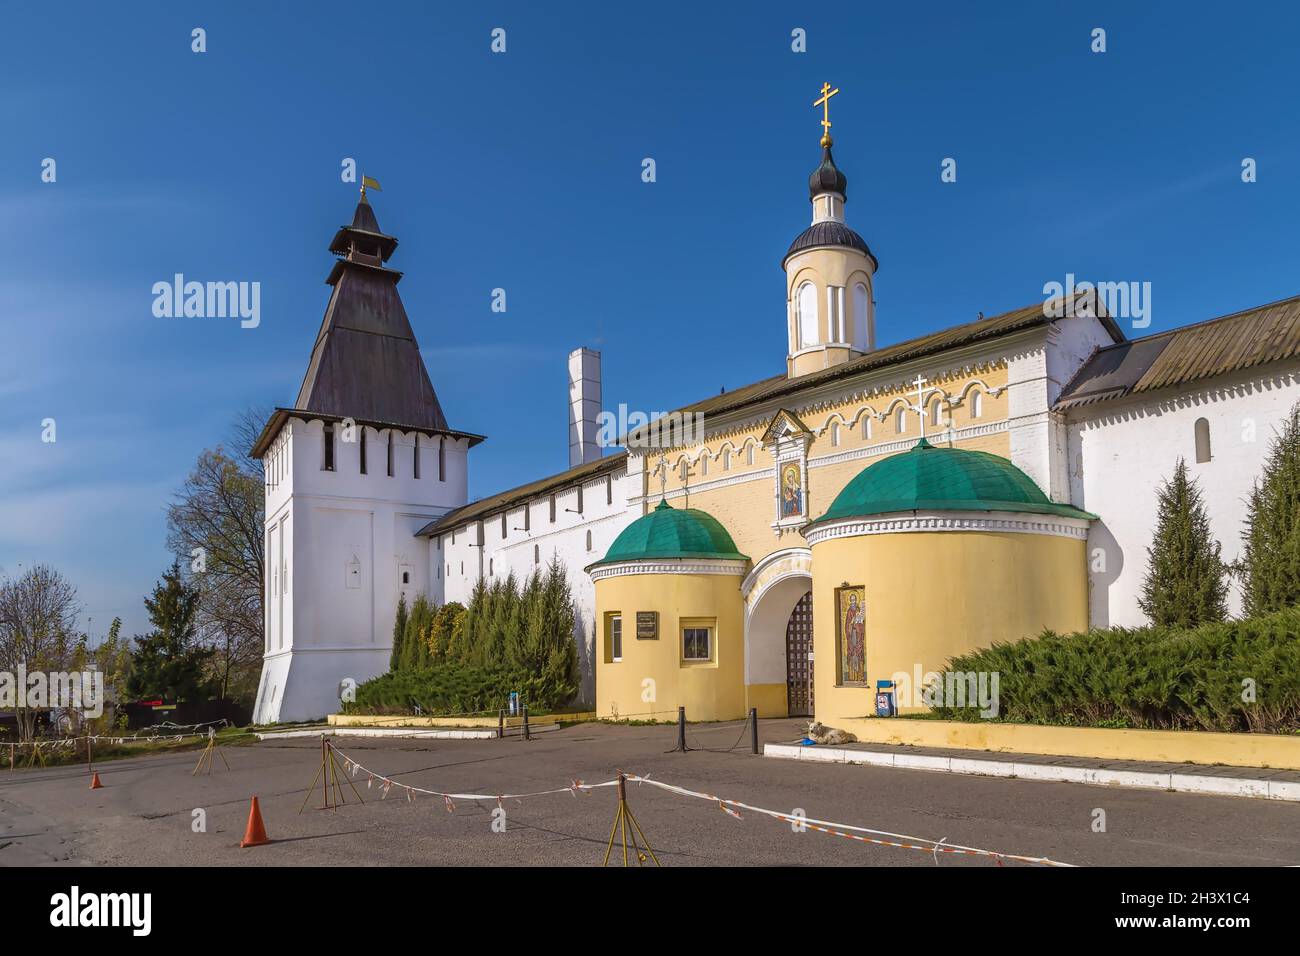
x: 798, y: 659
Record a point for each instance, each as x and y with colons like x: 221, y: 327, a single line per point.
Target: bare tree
x: 38, y: 619
x: 215, y: 528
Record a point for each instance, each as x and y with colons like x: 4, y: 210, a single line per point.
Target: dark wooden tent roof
x: 365, y: 363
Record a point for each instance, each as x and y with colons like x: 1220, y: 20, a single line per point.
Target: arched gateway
x: 773, y: 591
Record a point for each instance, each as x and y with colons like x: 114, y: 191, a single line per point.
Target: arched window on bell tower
x: 807, y: 315
x: 861, y: 317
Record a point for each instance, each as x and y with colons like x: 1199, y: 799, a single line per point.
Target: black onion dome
x: 829, y: 233
x: 827, y: 178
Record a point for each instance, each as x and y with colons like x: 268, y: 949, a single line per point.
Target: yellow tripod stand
x: 630, y: 830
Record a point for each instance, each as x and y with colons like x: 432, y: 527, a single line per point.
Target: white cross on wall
x: 919, y: 407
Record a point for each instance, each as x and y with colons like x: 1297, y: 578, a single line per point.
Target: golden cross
x: 825, y: 104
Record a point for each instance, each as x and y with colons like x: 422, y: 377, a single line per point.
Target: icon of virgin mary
x: 791, y: 492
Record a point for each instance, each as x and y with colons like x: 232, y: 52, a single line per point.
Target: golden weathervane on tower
x: 825, y: 104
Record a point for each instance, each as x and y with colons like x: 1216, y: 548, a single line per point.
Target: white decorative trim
x: 907, y: 522
x: 940, y: 439
x: 799, y: 561
x: 889, y: 447
x: 669, y: 566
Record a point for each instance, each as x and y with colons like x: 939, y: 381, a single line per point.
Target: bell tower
x: 829, y: 271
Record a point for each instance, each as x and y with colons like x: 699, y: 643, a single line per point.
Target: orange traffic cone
x: 94, y: 781
x: 255, y: 832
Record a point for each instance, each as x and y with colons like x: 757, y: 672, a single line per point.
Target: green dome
x: 943, y: 479
x: 669, y: 532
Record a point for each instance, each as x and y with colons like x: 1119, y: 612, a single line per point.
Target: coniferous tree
x: 1270, y: 562
x: 475, y: 614
x: 399, y: 632
x: 415, y: 646
x: 543, y: 650
x: 168, y: 662
x: 1185, y: 584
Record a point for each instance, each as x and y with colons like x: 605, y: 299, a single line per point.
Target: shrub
x: 447, y: 688
x: 1239, y: 675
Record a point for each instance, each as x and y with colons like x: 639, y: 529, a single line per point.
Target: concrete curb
x: 1182, y: 782
x: 382, y: 732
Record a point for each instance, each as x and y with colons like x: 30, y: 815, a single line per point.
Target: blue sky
x: 522, y: 171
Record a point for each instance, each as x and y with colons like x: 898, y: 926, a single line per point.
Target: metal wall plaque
x: 647, y: 625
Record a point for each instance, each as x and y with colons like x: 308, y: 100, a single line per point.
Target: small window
x: 329, y: 447
x: 749, y: 455
x: 1202, y: 430
x: 835, y: 434
x: 579, y: 499
x: 462, y: 569
x: 491, y: 564
x: 390, y: 454
x: 866, y: 427
x: 609, y: 489
x: 685, y: 470
x: 552, y: 509
x: 363, y: 449
x: 704, y: 466
x: 415, y: 458
x: 697, y: 643
x: 976, y: 404
x: 588, y: 540
x: 406, y: 577
x: 726, y: 459
x: 935, y: 411
x: 900, y: 421
x: 537, y: 554
x: 503, y: 526
x: 528, y: 521
x: 615, y: 638
x: 442, y: 459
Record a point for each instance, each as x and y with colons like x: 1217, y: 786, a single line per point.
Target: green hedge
x: 442, y: 689
x: 1150, y: 677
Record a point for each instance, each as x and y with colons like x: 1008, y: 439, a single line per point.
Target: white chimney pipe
x: 584, y: 406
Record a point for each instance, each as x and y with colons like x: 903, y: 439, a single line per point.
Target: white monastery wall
x: 580, y: 533
x: 1121, y: 451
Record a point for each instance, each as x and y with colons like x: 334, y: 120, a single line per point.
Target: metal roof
x: 927, y: 478
x: 668, y: 532
x: 781, y: 387
x: 1266, y: 333
x: 829, y: 233
x: 505, y: 500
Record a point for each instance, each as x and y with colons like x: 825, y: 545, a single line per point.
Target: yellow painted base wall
x: 933, y: 595
x: 770, y: 700
x: 1274, y: 751
x: 375, y: 720
x: 712, y: 691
